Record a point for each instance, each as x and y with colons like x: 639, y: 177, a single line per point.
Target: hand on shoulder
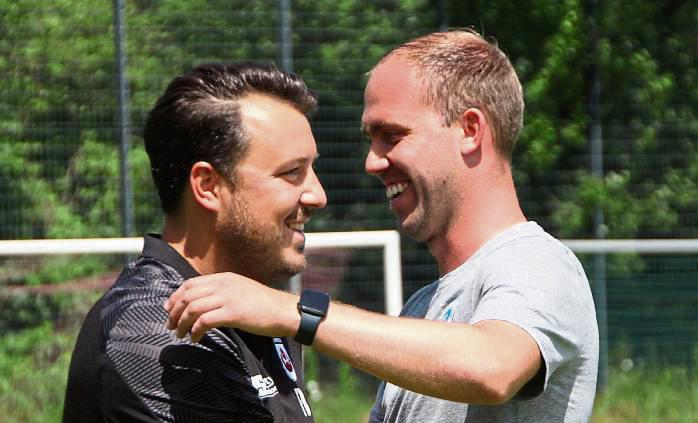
x: 232, y: 300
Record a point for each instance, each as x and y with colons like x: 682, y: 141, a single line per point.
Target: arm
x: 486, y: 363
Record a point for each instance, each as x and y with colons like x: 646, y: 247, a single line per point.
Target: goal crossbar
x: 319, y: 240
x: 389, y: 241
x: 640, y: 246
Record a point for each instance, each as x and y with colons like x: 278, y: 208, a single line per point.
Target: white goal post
x: 389, y: 241
x: 640, y: 246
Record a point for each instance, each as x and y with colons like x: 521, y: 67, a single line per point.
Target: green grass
x: 668, y: 395
x: 34, y: 365
x: 340, y: 406
x: 345, y: 401
x: 650, y: 396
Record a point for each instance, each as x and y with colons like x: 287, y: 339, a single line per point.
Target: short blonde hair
x: 460, y: 69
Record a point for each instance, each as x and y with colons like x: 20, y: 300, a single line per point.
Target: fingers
x: 173, y: 298
x: 179, y: 301
x: 186, y: 285
x: 224, y: 299
x: 206, y: 322
x: 193, y: 312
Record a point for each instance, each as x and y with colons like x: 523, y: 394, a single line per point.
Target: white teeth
x: 393, y: 190
x: 296, y: 226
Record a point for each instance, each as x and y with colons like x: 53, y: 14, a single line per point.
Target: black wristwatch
x: 313, y: 307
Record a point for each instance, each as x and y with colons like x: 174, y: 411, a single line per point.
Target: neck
x: 485, y: 211
x: 194, y: 245
x: 198, y: 245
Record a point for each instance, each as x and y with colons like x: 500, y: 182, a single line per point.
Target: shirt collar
x: 156, y: 248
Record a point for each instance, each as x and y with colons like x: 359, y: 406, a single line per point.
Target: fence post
x: 285, y: 35
x: 596, y: 163
x: 123, y: 119
x: 443, y: 15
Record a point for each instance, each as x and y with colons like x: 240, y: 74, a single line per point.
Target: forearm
x: 452, y: 361
x: 486, y: 363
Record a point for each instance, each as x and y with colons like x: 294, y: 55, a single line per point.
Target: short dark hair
x: 198, y: 119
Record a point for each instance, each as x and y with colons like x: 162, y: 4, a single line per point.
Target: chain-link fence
x: 63, y: 129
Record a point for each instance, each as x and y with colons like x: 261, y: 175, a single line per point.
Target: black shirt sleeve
x: 177, y: 379
x: 128, y: 367
x: 89, y: 373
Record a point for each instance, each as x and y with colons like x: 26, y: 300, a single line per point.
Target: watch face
x: 314, y: 302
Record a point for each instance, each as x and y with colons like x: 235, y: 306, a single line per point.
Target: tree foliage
x: 59, y: 152
x: 59, y: 81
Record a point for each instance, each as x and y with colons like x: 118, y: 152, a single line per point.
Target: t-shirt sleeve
x: 545, y: 293
x: 378, y: 411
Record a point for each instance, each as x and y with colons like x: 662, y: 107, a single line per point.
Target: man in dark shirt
x: 231, y: 154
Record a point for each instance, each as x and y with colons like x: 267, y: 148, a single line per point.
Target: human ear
x: 472, y: 124
x: 204, y: 185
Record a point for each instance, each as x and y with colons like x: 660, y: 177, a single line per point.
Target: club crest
x: 285, y: 359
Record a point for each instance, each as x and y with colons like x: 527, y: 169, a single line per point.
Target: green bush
x: 33, y: 369
x: 26, y: 310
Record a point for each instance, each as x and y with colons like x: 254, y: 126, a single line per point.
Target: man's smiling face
x: 275, y: 192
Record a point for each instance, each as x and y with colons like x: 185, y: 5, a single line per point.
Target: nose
x: 314, y: 195
x: 376, y: 162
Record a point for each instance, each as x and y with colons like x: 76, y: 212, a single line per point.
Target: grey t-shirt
x: 526, y: 277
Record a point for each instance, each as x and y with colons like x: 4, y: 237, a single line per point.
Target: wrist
x: 288, y: 317
x: 295, y: 318
x: 312, y: 308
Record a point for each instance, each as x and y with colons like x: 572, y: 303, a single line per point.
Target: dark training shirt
x: 127, y: 366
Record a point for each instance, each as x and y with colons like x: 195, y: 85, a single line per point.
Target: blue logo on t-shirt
x: 450, y: 312
x: 448, y: 315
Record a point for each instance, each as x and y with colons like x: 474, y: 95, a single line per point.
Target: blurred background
x: 609, y: 151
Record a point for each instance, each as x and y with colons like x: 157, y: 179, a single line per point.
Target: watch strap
x: 307, y: 328
x: 312, y: 306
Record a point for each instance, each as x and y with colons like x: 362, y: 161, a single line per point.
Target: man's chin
x: 289, y: 267
x: 296, y: 266
x: 412, y: 228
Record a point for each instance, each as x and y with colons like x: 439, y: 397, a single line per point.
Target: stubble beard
x: 256, y: 248
x: 413, y: 225
x: 429, y: 214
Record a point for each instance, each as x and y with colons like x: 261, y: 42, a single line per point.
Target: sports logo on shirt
x: 264, y: 385
x: 448, y: 314
x: 286, y: 362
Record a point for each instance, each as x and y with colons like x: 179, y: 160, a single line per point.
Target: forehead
x: 393, y: 95
x: 275, y: 129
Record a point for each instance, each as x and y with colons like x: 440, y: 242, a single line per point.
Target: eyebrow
x: 301, y: 160
x: 382, y: 126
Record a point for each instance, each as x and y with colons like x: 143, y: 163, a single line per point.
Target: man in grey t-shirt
x: 508, y: 333
x: 525, y: 277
